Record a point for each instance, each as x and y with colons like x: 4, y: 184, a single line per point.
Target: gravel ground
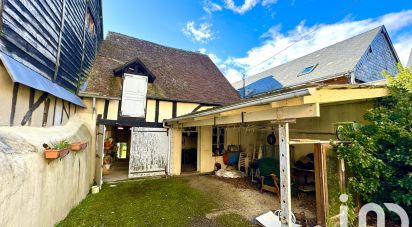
x: 243, y: 198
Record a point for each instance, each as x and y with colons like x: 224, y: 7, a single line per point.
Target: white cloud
x: 210, y: 7
x: 319, y: 36
x: 247, y: 5
x: 269, y: 2
x: 201, y: 33
x: 403, y: 47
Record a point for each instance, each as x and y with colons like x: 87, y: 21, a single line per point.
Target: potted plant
x: 77, y: 146
x: 56, y: 150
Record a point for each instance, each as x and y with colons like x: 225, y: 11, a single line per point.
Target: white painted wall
x: 34, y: 192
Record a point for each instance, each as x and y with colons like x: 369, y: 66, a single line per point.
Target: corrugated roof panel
x: 21, y: 74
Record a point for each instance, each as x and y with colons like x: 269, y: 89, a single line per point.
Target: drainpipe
x: 169, y: 148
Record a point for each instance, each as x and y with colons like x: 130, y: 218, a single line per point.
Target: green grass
x: 157, y: 202
x: 232, y: 220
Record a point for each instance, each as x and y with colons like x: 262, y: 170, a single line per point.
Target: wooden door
x: 149, y: 151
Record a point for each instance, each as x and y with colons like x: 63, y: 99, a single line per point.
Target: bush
x: 380, y: 153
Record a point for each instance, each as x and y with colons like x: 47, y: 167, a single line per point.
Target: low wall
x: 33, y: 191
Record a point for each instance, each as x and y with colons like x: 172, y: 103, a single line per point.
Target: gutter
x: 246, y: 103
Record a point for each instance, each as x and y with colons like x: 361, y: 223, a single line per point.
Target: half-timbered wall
x: 56, y: 38
x: 156, y: 110
x: 18, y: 101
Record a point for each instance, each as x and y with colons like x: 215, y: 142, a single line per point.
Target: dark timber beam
x: 29, y: 113
x: 13, y: 102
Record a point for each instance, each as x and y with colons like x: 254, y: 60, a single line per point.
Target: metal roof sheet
x: 21, y: 74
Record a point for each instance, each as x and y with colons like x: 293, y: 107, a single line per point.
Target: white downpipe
x: 169, y: 152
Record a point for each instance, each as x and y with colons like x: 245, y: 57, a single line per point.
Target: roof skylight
x: 308, y: 69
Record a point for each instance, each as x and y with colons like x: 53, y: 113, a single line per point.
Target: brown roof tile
x: 180, y: 74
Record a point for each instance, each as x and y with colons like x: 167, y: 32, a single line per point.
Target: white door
x: 148, y: 152
x: 134, y: 96
x: 99, y: 155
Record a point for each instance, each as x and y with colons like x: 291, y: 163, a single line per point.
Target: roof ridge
x: 157, y: 44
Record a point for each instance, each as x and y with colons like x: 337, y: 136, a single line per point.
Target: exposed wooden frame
x: 283, y: 113
x: 321, y: 183
x: 284, y: 159
x: 106, y: 108
x: 336, y: 94
x: 29, y: 113
x: 13, y: 102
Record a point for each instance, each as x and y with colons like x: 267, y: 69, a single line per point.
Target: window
x: 308, y: 70
x: 218, y: 141
x: 90, y: 22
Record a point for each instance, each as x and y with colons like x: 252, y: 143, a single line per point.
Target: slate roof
x: 332, y: 61
x: 409, y: 64
x: 180, y: 75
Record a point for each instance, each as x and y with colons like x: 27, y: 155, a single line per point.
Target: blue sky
x: 239, y: 34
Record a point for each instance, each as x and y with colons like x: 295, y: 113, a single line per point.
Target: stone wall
x: 37, y: 192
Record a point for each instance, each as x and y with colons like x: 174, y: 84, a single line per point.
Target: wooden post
x: 321, y: 183
x: 285, y: 194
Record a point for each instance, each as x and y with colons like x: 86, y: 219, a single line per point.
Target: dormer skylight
x: 308, y: 69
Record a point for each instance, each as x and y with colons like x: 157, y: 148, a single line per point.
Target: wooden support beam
x: 342, y: 95
x: 321, y: 183
x: 246, y: 110
x: 277, y: 114
x: 285, y: 192
x: 303, y: 111
x: 288, y: 102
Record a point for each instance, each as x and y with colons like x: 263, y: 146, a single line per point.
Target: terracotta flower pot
x: 55, y: 153
x: 51, y: 153
x: 78, y: 146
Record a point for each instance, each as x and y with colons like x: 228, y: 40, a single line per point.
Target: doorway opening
x: 189, y: 150
x: 116, y: 153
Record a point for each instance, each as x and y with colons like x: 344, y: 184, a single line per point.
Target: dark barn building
x: 47, y: 48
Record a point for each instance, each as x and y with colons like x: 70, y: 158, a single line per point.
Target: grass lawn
x: 153, y: 202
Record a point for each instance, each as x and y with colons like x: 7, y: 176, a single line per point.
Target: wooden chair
x: 269, y: 172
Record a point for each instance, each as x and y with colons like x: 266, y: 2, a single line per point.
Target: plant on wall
x: 380, y: 153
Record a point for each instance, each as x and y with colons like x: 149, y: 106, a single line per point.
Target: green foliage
x: 60, y: 144
x: 380, y: 153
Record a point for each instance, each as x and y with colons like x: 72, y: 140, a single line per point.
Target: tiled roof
x: 180, y: 74
x: 409, y: 64
x: 332, y: 61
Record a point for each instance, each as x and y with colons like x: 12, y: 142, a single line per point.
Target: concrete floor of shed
x: 118, y: 171
x: 247, y: 201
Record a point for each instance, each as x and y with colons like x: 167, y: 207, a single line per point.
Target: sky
x: 249, y: 36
